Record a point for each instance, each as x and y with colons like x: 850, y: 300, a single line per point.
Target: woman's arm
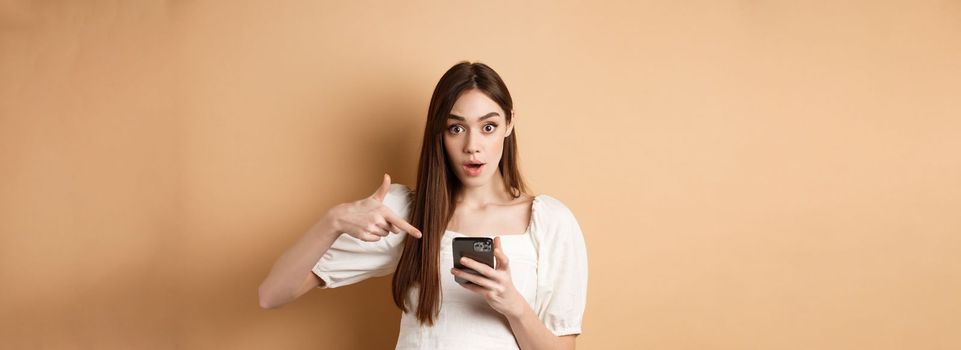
x: 286, y: 281
x: 368, y: 220
x: 531, y: 333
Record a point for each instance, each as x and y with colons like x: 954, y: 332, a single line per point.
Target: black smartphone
x: 478, y: 248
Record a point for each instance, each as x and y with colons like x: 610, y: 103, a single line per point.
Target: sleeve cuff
x: 566, y: 331
x: 323, y: 277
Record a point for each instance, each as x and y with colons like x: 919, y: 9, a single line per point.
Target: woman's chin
x: 471, y: 181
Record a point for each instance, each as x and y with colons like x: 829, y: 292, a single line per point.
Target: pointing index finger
x: 402, y: 224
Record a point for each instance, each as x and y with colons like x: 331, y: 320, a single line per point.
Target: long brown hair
x: 433, y: 203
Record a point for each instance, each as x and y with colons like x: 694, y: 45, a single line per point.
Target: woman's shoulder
x: 399, y: 189
x: 399, y: 198
x: 553, y: 219
x: 550, y: 206
x: 555, y: 224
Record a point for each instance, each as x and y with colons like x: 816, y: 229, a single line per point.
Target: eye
x: 490, y: 127
x: 454, y: 129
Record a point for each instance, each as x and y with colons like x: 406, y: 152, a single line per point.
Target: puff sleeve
x: 562, y: 269
x: 350, y: 260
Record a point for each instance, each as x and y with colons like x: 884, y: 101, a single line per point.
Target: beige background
x: 748, y: 174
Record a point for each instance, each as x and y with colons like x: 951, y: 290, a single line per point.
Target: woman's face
x: 476, y: 128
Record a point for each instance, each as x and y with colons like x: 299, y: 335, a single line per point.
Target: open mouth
x: 473, y: 168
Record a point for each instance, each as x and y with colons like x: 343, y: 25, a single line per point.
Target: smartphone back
x: 478, y: 248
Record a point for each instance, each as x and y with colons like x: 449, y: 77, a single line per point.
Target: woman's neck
x: 483, y: 195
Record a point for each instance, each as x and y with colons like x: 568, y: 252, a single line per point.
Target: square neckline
x: 526, y: 232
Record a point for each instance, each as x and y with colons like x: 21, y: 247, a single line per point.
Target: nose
x: 472, y: 144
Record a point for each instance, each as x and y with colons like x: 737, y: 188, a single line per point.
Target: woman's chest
x: 508, y: 220
x: 522, y: 259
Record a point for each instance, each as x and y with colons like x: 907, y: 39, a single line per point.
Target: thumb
x: 382, y: 191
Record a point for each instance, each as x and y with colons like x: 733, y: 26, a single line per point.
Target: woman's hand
x: 369, y: 219
x: 495, y: 285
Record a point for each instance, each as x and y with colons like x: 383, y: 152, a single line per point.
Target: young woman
x: 468, y: 184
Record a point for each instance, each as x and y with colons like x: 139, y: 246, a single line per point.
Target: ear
x: 510, y: 126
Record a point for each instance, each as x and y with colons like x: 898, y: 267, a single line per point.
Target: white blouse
x: 548, y: 268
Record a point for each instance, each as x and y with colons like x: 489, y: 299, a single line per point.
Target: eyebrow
x: 488, y: 115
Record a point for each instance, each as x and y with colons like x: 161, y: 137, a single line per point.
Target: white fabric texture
x: 548, y: 267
